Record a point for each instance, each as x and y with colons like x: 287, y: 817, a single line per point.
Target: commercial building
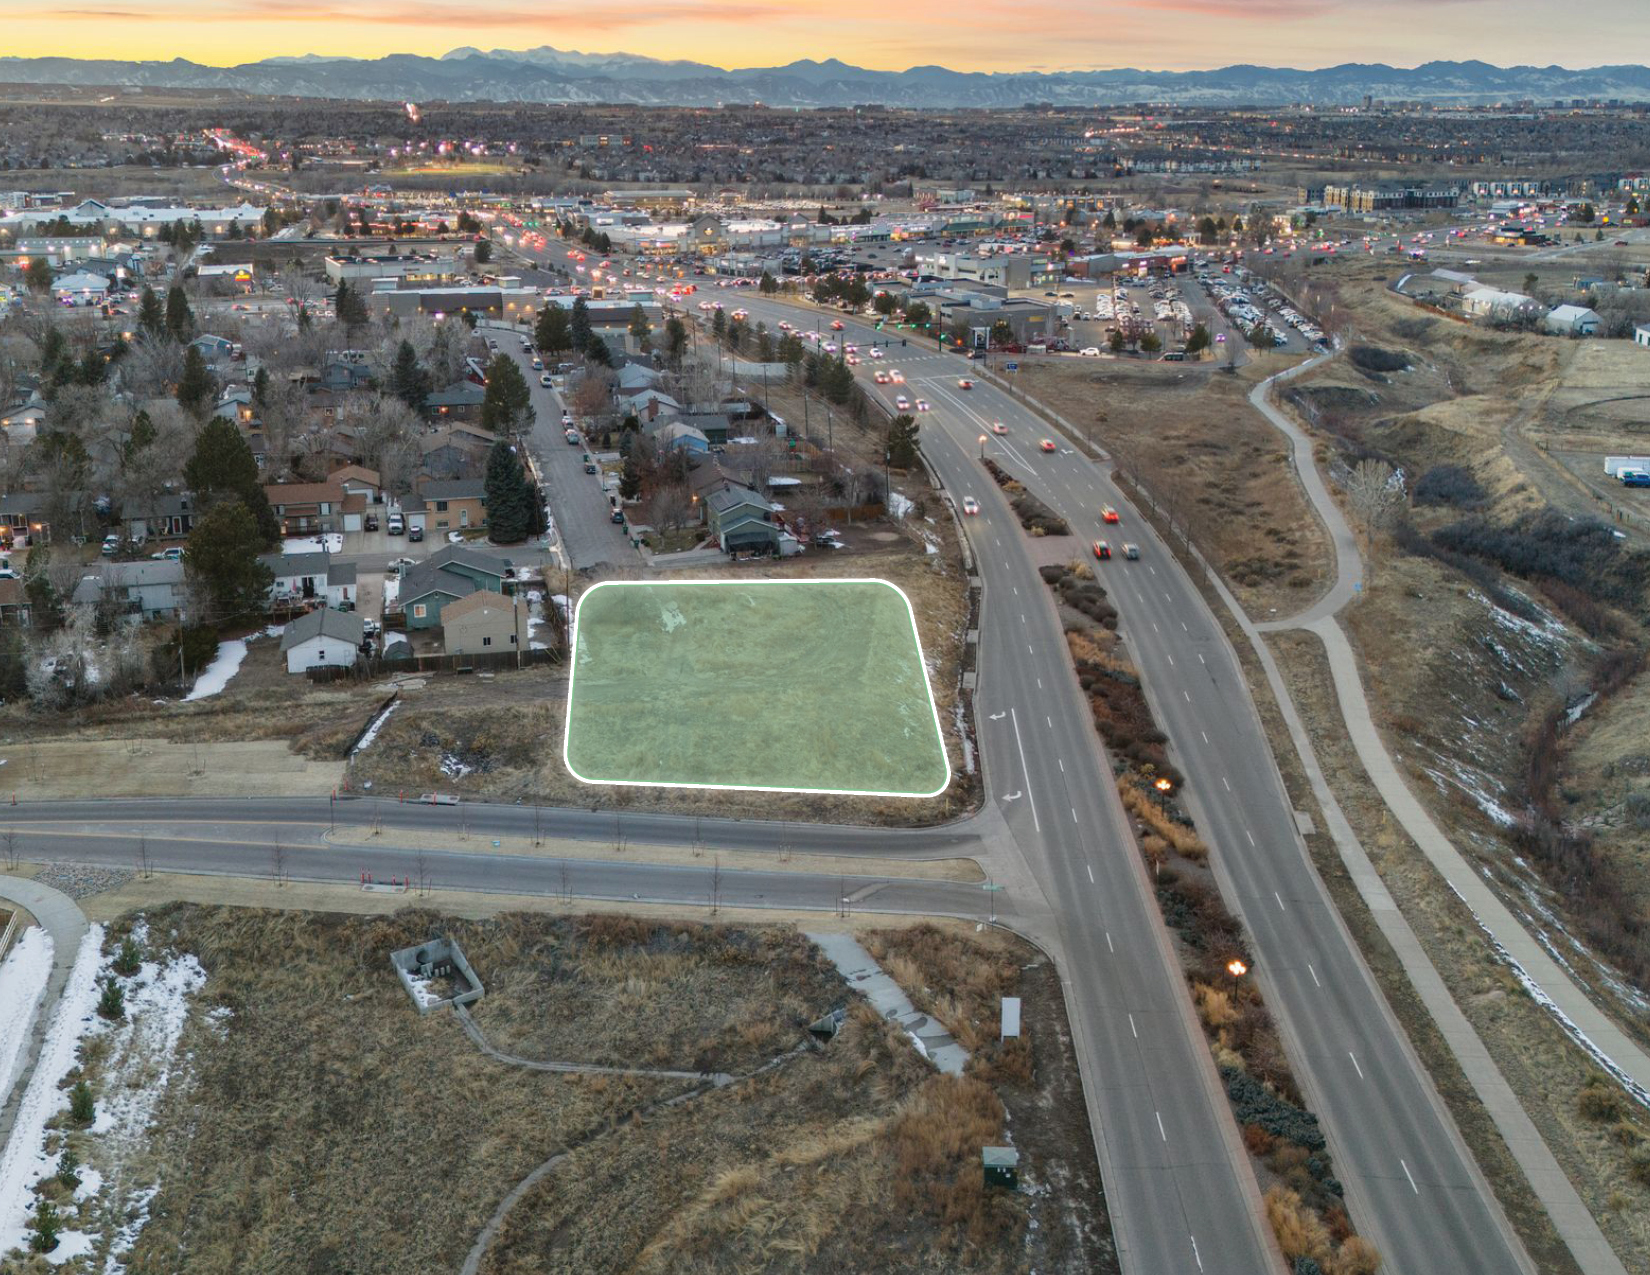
x: 1360, y: 198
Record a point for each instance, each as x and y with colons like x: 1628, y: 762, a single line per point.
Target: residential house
x: 341, y: 376
x: 297, y: 575
x: 307, y: 508
x: 485, y: 623
x: 460, y: 401
x: 633, y: 378
x: 741, y: 520
x: 322, y: 638
x: 450, y: 573
x: 23, y: 519
x: 341, y: 590
x: 214, y: 349
x: 454, y: 504
x: 454, y: 451
x: 1641, y: 335
x: 235, y: 404
x: 715, y: 426
x: 649, y: 404
x: 1497, y: 306
x: 149, y: 589
x: 358, y: 480
x: 674, y: 436
x: 14, y: 602
x: 30, y: 411
x: 1572, y: 320
x: 170, y: 516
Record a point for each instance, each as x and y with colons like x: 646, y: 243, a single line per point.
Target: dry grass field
x: 349, y: 1133
x: 1189, y: 435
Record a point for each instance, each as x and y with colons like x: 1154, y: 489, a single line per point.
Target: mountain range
x: 556, y: 76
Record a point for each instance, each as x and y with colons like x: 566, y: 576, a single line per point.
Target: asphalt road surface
x: 1412, y: 1186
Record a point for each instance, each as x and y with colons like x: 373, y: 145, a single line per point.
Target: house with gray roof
x: 322, y: 638
x: 148, y: 590
x: 741, y: 520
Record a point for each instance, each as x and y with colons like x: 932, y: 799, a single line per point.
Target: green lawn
x: 791, y: 685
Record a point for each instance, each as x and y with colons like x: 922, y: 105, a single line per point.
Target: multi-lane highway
x: 1412, y: 1185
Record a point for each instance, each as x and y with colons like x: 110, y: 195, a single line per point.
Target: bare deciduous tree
x: 1376, y: 492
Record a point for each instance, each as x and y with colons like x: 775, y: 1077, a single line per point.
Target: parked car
x: 589, y: 466
x: 1089, y: 352
x: 174, y: 554
x: 396, y: 525
x: 414, y: 534
x: 111, y: 546
x: 370, y: 522
x: 617, y: 516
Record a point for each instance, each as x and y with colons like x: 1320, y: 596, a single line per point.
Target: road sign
x: 1012, y: 367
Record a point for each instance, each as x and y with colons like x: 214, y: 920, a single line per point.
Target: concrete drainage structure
x: 435, y: 973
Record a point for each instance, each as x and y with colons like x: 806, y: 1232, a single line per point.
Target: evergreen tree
x: 68, y: 1168
x: 223, y: 558
x: 82, y: 1109
x: 484, y: 252
x: 640, y: 328
x: 719, y: 324
x: 195, y: 387
x: 349, y: 307
x: 45, y: 603
x: 507, y: 405
x: 597, y: 352
x: 510, y: 497
x: 141, y: 437
x: 902, y: 442
x: 409, y: 382
x: 676, y: 339
x: 222, y: 468
x: 180, y: 319
x: 45, y: 1226
x: 918, y: 315
x: 1198, y: 341
x: 580, y: 326
x: 129, y: 959
x: 151, y: 316
x: 553, y: 333
x: 111, y: 1004
x: 768, y: 284
x: 37, y: 275
x: 260, y: 388
x: 14, y: 678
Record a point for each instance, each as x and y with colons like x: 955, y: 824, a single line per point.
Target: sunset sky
x: 985, y: 35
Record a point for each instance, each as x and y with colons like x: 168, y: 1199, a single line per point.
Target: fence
x: 485, y: 663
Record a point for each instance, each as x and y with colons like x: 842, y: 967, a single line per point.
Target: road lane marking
x: 1014, y: 717
x: 1183, y: 627
x: 1090, y: 869
x: 1201, y: 660
x: 1205, y: 735
x: 1355, y: 1067
x: 1039, y: 683
x: 1160, y: 1131
x: 1155, y: 629
x: 1195, y: 1253
x: 1166, y: 596
x: 1188, y: 696
x: 1049, y: 720
x: 1171, y: 659
x: 1314, y: 974
x: 1062, y: 764
x: 1407, y: 1174
x: 1279, y: 898
x: 1227, y: 782
x: 1133, y: 1028
x: 1109, y: 947
x: 1250, y: 835
x: 1074, y: 814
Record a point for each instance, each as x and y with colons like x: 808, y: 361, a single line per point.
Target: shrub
x: 1582, y: 552
x: 1638, y: 1164
x: 1301, y: 1233
x: 1598, y: 1102
x: 68, y: 1166
x: 1255, y: 1104
x: 82, y: 1109
x: 1372, y: 358
x: 1449, y: 485
x: 44, y: 1227
x: 129, y: 959
x: 112, y: 1003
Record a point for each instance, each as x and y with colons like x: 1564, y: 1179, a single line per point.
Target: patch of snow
x: 331, y: 542
x: 392, y: 592
x: 23, y: 977
x: 70, y: 1245
x: 377, y: 724
x: 422, y: 992
x: 1473, y: 784
x: 270, y: 630
x: 1636, y: 1091
x: 899, y: 505
x: 23, y: 1160
x: 1572, y: 715
x: 91, y: 1182
x: 215, y: 676
x: 452, y: 767
x: 967, y: 743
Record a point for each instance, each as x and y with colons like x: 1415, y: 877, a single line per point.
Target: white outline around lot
x: 922, y: 664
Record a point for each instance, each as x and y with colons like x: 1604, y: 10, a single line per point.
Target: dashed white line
x: 1201, y: 660
x: 1062, y: 764
x: 1412, y: 1185
x: 1171, y: 659
x: 1109, y: 947
x: 1227, y: 782
x: 1183, y: 627
x: 1355, y: 1067
x: 1314, y: 974
x: 1195, y: 1253
x: 1205, y: 735
x: 1279, y: 898
x: 1132, y: 1028
x: 1160, y: 1130
x: 1074, y: 814
x: 1049, y: 720
x: 1090, y: 869
x: 1250, y: 835
x: 1188, y: 696
x: 1155, y: 629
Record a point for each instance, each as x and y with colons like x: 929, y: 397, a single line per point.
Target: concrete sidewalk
x: 1580, y: 1018
x: 64, y: 922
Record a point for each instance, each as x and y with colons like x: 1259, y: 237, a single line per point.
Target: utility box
x: 1002, y: 1167
x: 1011, y: 1017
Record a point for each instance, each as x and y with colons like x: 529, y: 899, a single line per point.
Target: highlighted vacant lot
x: 785, y: 685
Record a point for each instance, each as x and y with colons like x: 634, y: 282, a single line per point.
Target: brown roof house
x: 485, y: 624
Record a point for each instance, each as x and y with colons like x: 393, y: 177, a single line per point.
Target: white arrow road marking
x: 1013, y: 796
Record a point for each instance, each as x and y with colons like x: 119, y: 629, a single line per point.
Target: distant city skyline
x: 989, y: 35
